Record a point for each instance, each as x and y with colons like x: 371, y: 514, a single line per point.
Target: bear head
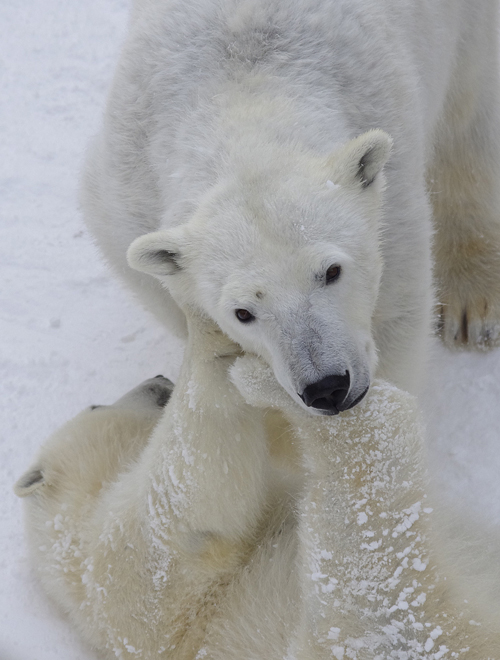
x: 283, y: 253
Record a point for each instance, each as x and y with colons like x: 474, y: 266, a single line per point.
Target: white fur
x: 373, y: 581
x: 142, y: 537
x: 221, y: 131
x: 190, y: 543
x: 304, y: 328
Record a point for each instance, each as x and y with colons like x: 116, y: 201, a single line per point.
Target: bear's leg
x: 371, y: 582
x: 464, y: 181
x: 169, y: 536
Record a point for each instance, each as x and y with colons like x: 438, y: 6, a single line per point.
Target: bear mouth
x: 324, y: 406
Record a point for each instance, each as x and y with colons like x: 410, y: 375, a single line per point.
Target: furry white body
x: 226, y: 125
x: 191, y: 543
x: 219, y: 111
x: 153, y: 542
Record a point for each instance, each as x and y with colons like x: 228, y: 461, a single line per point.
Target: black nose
x: 328, y: 393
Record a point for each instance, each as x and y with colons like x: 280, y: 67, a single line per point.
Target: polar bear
x: 175, y: 536
x: 140, y: 523
x: 236, y: 156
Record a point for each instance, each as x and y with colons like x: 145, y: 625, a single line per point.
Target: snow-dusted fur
x: 141, y: 537
x: 222, y: 132
x: 189, y: 543
x: 372, y: 581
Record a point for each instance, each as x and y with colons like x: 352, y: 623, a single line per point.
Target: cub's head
x: 284, y: 256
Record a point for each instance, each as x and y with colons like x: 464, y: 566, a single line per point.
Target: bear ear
x: 29, y: 482
x: 157, y: 254
x: 361, y: 159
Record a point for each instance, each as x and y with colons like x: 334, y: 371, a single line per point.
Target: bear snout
x: 327, y: 394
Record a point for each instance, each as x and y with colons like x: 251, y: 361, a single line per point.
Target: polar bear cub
x: 172, y: 535
x: 138, y: 521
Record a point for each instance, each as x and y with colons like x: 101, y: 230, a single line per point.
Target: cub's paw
x: 468, y: 314
x: 208, y: 339
x: 257, y: 383
x: 150, y: 395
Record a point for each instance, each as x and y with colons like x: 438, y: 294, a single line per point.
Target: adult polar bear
x: 226, y: 132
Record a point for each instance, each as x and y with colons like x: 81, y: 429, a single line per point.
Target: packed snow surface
x: 70, y: 336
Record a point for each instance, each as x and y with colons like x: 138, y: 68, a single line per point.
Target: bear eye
x: 333, y: 273
x: 244, y: 315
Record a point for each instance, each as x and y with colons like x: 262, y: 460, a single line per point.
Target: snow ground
x: 70, y: 336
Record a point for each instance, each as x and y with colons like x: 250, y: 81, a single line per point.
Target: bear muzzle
x: 328, y: 394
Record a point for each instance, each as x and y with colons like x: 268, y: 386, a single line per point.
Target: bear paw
x: 207, y: 338
x: 469, y: 296
x: 257, y: 383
